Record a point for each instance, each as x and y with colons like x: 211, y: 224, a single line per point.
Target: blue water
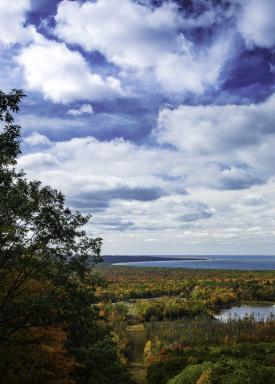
x: 213, y: 262
x: 259, y: 312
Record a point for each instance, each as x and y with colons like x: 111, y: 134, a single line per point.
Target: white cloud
x: 212, y: 185
x: 213, y: 129
x: 131, y: 166
x: 256, y: 22
x: 37, y: 139
x: 141, y: 37
x: 85, y: 108
x: 32, y: 122
x: 12, y: 19
x: 253, y: 200
x: 208, y: 154
x: 120, y: 182
x: 63, y: 75
x: 136, y: 35
x: 41, y: 160
x: 109, y: 175
x: 193, y: 69
x: 226, y: 147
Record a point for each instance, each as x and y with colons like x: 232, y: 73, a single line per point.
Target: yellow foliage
x: 204, y: 378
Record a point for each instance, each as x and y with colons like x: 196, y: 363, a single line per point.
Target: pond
x: 258, y: 312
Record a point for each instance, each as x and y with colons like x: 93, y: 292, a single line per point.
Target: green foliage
x: 169, y: 308
x: 215, y: 288
x: 189, y: 375
x: 226, y: 371
x: 9, y: 139
x: 46, y: 271
x: 208, y: 331
x: 101, y: 363
x: 160, y: 371
x: 177, y: 307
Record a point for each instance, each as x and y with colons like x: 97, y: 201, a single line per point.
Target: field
x: 163, y: 323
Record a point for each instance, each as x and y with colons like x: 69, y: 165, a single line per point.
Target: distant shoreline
x: 223, y: 262
x: 108, y: 259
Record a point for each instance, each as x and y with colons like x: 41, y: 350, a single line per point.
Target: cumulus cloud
x: 213, y: 129
x: 39, y: 161
x: 256, y: 23
x: 63, y: 75
x: 37, y: 139
x: 12, y: 19
x: 236, y: 178
x: 193, y: 70
x: 140, y: 191
x: 229, y: 145
x: 253, y: 200
x: 142, y: 37
x: 219, y: 147
x: 116, y: 173
x: 136, y: 35
x: 133, y: 170
x: 84, y: 109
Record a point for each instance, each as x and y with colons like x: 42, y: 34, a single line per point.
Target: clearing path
x: 137, y: 368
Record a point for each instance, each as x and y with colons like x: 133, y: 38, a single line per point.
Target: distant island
x: 113, y: 259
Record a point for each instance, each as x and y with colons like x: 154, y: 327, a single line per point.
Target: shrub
x: 161, y: 371
x: 226, y: 371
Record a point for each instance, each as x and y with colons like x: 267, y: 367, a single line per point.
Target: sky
x: 158, y: 117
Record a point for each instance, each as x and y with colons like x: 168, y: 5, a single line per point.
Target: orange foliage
x: 37, y: 355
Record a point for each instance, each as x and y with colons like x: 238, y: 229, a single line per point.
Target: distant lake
x: 259, y: 313
x: 209, y: 262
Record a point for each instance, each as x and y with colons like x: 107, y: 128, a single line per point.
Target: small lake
x: 259, y: 313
